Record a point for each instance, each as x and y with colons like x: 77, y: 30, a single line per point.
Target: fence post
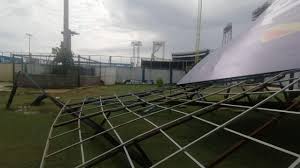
x: 13, y: 66
x: 22, y: 64
x: 143, y: 74
x: 100, y: 69
x: 110, y: 60
x: 78, y: 77
x: 151, y: 67
x: 292, y: 75
x: 171, y: 72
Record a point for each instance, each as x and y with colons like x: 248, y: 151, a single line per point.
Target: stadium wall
x: 109, y: 75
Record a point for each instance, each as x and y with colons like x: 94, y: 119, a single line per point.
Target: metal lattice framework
x: 122, y: 127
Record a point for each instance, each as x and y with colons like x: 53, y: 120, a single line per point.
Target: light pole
x: 136, y: 52
x: 67, y: 33
x: 198, y: 34
x: 29, y: 38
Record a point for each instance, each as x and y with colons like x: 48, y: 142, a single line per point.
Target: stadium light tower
x: 157, y: 45
x: 198, y: 34
x: 136, y: 52
x: 29, y: 41
x: 67, y: 33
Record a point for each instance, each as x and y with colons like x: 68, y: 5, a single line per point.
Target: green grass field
x: 24, y: 133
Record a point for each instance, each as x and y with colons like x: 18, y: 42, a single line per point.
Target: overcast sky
x: 107, y: 27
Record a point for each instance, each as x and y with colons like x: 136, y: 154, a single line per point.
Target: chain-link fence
x: 49, y: 71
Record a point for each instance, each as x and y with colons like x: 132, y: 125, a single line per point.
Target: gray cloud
x: 108, y: 26
x: 176, y: 25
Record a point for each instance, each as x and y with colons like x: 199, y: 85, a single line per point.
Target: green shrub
x: 159, y: 82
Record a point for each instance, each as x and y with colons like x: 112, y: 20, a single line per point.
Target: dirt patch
x: 26, y: 110
x: 57, y: 90
x: 5, y: 86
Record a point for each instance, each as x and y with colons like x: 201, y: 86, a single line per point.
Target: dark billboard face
x: 271, y: 45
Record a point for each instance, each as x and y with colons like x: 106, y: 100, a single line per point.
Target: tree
x: 63, y: 61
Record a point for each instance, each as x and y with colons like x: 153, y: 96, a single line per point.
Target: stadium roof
x: 271, y: 45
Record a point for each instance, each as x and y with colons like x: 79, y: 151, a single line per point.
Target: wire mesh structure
x: 169, y: 127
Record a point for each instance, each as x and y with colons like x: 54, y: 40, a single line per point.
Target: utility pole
x: 198, y: 34
x: 29, y: 40
x: 164, y: 51
x: 133, y: 53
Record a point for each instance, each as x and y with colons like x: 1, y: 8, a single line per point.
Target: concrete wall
x: 6, y: 72
x: 154, y: 74
x: 109, y: 75
x: 37, y: 69
x: 58, y: 81
x: 178, y: 75
x: 90, y: 80
x: 124, y: 73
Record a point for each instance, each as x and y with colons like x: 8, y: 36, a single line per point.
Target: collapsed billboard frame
x: 270, y: 96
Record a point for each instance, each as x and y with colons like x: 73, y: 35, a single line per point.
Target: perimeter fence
x: 50, y: 71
